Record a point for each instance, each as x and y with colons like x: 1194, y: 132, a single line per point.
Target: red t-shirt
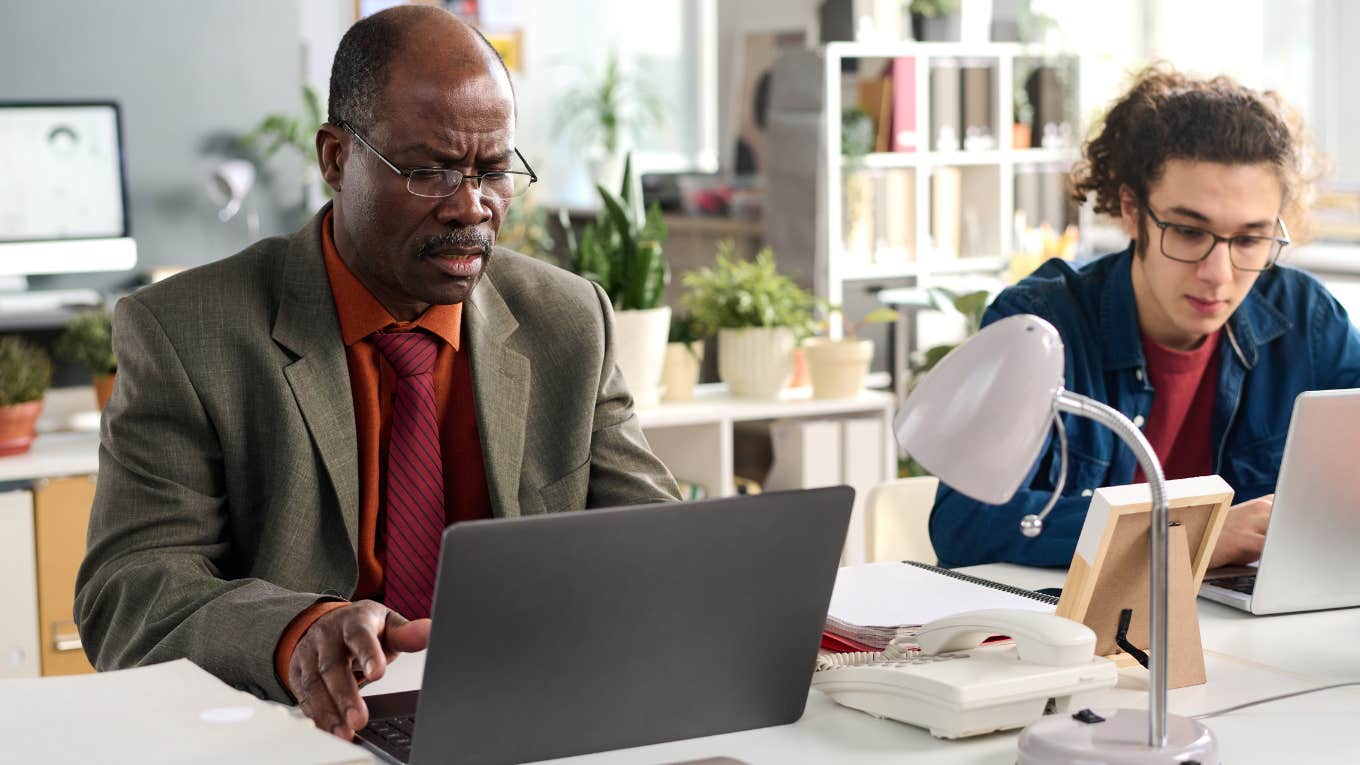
x: 1180, y: 425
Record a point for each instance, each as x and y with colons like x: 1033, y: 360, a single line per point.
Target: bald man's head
x: 366, y: 52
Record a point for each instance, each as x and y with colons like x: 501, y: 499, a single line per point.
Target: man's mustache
x: 465, y: 237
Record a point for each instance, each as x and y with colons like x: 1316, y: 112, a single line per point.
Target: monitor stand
x: 16, y: 299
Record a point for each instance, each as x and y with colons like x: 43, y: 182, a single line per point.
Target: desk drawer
x: 61, y: 517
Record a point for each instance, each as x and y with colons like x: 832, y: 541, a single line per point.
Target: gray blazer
x: 228, y: 494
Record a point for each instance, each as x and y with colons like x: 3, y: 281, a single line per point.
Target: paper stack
x: 876, y: 602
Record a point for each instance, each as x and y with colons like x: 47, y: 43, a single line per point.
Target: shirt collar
x: 361, y: 314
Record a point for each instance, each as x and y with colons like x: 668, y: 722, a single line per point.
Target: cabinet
x: 946, y: 204
x: 696, y: 440
x: 44, y: 514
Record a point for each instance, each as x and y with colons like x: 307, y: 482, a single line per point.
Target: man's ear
x: 1130, y: 212
x: 331, y: 150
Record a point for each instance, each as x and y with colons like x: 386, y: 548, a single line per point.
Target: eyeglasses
x: 436, y: 183
x: 1192, y: 244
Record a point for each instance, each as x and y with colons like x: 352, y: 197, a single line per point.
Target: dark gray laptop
x: 564, y: 634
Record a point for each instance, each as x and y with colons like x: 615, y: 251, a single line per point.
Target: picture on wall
x: 754, y: 62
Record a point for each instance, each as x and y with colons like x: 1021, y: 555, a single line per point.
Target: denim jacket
x: 1288, y: 335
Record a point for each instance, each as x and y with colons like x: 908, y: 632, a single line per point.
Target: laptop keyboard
x: 1244, y: 584
x: 392, y: 735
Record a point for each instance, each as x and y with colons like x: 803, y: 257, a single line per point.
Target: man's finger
x: 333, y: 668
x: 315, y: 701
x: 366, y: 652
x: 406, y: 636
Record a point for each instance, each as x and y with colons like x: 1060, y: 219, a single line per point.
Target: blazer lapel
x: 307, y: 327
x: 500, y: 389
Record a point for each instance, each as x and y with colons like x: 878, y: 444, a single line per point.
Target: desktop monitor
x: 63, y: 195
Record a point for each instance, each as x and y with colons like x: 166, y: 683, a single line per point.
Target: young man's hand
x: 1243, y: 534
x: 343, y: 647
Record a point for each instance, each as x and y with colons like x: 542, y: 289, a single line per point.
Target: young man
x: 1195, y: 332
x: 295, y: 425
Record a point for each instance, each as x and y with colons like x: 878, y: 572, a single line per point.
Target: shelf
x: 1038, y: 156
x: 890, y: 49
x: 868, y: 271
x: 977, y: 157
x: 712, y: 403
x: 889, y: 160
x: 885, y: 160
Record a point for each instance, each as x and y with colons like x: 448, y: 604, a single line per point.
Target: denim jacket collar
x: 1254, y: 323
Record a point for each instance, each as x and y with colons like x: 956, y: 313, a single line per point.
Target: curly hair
x: 1168, y: 115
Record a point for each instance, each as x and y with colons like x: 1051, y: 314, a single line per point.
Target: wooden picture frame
x: 1109, y: 571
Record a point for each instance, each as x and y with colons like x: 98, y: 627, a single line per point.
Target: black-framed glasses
x: 1246, y: 252
x: 438, y: 182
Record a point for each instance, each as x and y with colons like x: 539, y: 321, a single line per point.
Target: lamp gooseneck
x: 1033, y: 525
x: 1066, y: 401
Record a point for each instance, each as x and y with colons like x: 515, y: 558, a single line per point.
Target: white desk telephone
x: 950, y: 683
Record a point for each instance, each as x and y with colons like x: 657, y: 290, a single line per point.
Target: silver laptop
x: 557, y: 635
x: 1309, y: 560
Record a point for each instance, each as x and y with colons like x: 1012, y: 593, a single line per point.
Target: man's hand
x: 346, y: 645
x: 1243, y: 534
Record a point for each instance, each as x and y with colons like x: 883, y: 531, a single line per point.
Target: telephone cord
x: 1269, y: 699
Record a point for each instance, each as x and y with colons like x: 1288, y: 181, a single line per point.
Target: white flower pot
x: 640, y: 345
x: 755, y: 362
x: 838, y: 367
x: 680, y: 373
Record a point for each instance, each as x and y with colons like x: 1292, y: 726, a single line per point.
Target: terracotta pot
x: 17, y: 427
x: 681, y: 371
x: 799, y: 378
x: 103, y: 388
x: 838, y: 367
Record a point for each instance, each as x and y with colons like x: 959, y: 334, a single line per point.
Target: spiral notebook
x: 873, y: 603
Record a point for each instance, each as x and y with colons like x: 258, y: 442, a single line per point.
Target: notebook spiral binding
x: 1039, y: 596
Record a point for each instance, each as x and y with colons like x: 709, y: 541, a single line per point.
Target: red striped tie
x: 414, y: 517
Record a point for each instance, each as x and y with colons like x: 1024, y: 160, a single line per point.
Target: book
x: 946, y: 208
x: 904, y: 136
x: 978, y: 134
x: 876, y: 602
x: 897, y: 243
x: 945, y: 108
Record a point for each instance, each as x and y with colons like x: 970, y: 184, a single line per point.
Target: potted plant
x: 935, y: 20
x: 621, y: 251
x: 684, y: 356
x: 88, y: 341
x: 838, y: 367
x: 297, y: 133
x: 604, y: 115
x: 757, y: 313
x: 25, y: 373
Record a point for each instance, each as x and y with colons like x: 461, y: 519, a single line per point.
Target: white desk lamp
x: 978, y: 421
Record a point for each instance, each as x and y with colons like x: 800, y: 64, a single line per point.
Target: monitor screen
x: 63, y: 204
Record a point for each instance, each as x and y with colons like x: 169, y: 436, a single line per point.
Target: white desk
x: 1246, y: 658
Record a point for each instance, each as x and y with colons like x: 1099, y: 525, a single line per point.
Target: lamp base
x: 1121, y: 739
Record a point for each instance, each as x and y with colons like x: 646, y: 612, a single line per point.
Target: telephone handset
x: 944, y: 679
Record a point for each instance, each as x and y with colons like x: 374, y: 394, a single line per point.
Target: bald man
x: 294, y: 426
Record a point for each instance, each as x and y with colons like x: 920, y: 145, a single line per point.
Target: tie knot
x: 410, y: 353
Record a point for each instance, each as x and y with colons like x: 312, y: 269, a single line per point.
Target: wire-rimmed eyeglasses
x: 439, y: 182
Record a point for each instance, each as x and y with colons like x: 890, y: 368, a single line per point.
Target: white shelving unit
x: 989, y: 175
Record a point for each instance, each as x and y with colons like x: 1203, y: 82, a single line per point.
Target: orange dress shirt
x: 372, y: 384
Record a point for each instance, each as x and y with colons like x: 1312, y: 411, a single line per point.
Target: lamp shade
x: 978, y: 419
